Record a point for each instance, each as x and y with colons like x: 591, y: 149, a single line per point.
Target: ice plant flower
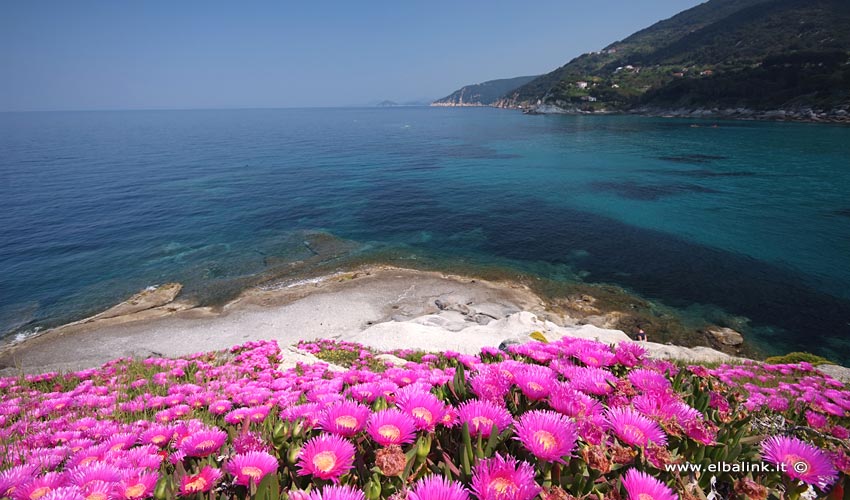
x: 392, y: 426
x: 137, y: 486
x: 203, y: 443
x: 336, y: 493
x: 436, y: 487
x: 200, y: 482
x: 345, y: 418
x: 548, y: 435
x: 800, y: 460
x: 641, y: 486
x: 425, y: 408
x: 480, y: 416
x: 633, y: 428
x: 250, y: 468
x: 326, y: 456
x: 501, y: 478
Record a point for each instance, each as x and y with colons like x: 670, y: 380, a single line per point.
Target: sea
x: 719, y: 222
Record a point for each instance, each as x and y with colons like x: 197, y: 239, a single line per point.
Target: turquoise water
x: 747, y: 218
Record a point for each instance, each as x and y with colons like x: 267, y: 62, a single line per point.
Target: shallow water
x: 746, y: 219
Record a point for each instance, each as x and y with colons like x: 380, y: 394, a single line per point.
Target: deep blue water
x: 749, y: 218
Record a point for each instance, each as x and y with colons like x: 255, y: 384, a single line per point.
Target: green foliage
x: 798, y: 357
x: 762, y: 54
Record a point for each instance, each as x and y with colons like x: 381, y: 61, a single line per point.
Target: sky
x: 112, y: 54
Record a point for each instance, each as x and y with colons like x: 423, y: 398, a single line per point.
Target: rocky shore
x: 795, y: 114
x: 379, y: 306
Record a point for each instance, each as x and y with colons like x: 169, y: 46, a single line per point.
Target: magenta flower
x: 38, y: 487
x: 220, y: 407
x: 344, y: 418
x: 633, y: 428
x: 326, y: 456
x: 203, y: 443
x: 335, y: 493
x: 480, y: 416
x: 501, y: 478
x: 649, y: 380
x: 96, y: 471
x: 641, y: 486
x: 535, y: 381
x: 549, y: 436
x: 425, y: 408
x: 436, y: 487
x: 491, y: 383
x: 250, y: 468
x: 388, y: 427
x: 137, y: 485
x: 200, y: 482
x: 591, y: 380
x: 64, y: 493
x: 800, y: 460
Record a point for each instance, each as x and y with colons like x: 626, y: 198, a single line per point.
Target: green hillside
x: 759, y: 54
x: 483, y: 94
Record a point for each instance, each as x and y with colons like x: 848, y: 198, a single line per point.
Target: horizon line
x: 236, y: 108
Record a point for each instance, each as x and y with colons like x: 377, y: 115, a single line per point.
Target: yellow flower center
x: 325, y: 461
x: 545, y: 439
x: 135, y: 491
x: 206, y: 445
x: 253, y: 472
x: 346, y: 422
x: 482, y: 423
x: 634, y: 433
x: 534, y: 386
x: 97, y: 495
x: 40, y: 492
x: 389, y: 431
x: 424, y: 414
x: 645, y: 496
x: 196, y: 485
x: 502, y: 485
x: 157, y: 440
x: 87, y: 460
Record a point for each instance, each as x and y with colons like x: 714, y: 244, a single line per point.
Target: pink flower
x: 490, y: 383
x: 250, y: 468
x: 549, y: 436
x: 425, y: 408
x: 535, y: 381
x: 436, y: 487
x: 641, y: 486
x: 203, y: 443
x: 649, y: 380
x: 481, y: 416
x: 137, y: 485
x: 388, y: 427
x: 501, y: 478
x: 344, y: 418
x: 800, y: 460
x: 97, y: 471
x: 326, y: 456
x: 39, y: 486
x: 200, y: 482
x: 633, y: 428
x: 335, y: 493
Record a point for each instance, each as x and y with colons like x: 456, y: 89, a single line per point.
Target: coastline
x: 806, y: 115
x: 385, y: 307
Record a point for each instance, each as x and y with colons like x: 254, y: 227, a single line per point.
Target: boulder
x: 837, y: 372
x: 725, y: 336
x: 154, y: 296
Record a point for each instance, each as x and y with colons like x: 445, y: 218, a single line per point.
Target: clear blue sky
x: 113, y: 54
